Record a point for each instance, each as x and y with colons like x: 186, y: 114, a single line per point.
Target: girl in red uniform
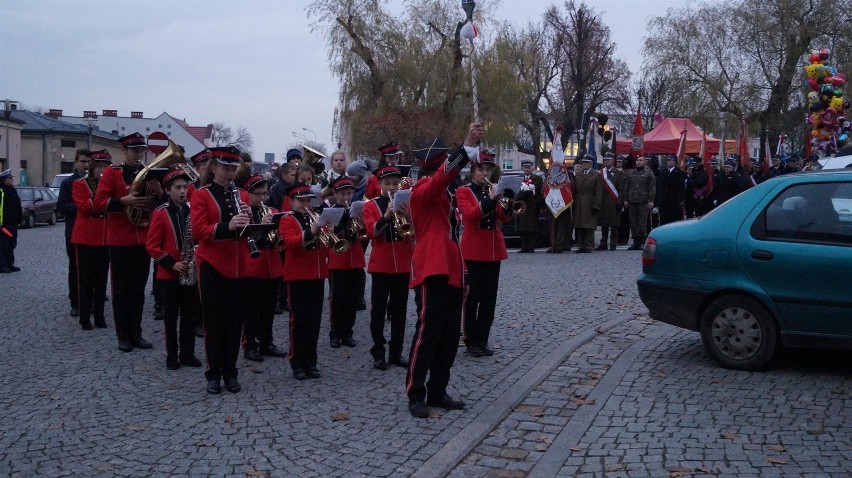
x: 222, y: 255
x: 89, y: 239
x: 437, y: 274
x: 389, y: 267
x: 165, y: 244
x: 483, y: 248
x: 305, y: 271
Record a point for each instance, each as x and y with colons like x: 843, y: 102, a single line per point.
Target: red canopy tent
x: 665, y: 138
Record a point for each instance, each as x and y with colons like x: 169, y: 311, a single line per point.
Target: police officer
x: 10, y: 217
x: 641, y: 191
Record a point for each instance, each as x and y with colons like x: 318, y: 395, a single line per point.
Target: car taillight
x: 649, y: 251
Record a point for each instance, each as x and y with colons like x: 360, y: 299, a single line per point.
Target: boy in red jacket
x: 166, y: 236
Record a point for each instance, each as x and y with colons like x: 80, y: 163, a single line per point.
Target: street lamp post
x: 312, y: 132
x: 90, y: 124
x: 300, y: 136
x: 7, y: 113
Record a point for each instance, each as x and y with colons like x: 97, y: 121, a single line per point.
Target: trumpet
x: 356, y: 225
x: 272, y: 237
x: 403, y: 225
x: 516, y: 206
x: 328, y: 238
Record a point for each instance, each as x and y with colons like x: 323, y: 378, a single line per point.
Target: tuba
x: 171, y: 157
x: 311, y: 155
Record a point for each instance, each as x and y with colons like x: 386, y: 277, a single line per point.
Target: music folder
x: 156, y: 174
x: 276, y: 218
x: 256, y: 229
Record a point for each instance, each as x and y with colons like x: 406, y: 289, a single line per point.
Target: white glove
x: 714, y: 202
x: 655, y: 211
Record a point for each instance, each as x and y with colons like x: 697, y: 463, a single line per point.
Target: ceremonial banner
x: 557, y: 188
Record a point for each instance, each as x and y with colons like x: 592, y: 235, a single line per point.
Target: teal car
x: 771, y: 267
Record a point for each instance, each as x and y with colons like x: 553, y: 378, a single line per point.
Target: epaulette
x: 162, y: 206
x: 116, y: 166
x: 204, y: 187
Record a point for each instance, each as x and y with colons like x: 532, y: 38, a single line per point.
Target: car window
x: 47, y: 194
x: 37, y: 194
x: 26, y: 194
x: 816, y: 212
x: 57, y: 181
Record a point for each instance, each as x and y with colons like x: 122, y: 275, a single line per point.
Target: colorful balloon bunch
x: 830, y: 129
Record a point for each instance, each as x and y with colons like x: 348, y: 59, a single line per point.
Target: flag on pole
x: 705, y: 160
x: 638, y: 143
x: 557, y: 197
x: 681, y: 151
x: 782, y: 147
x: 745, y: 161
x: 767, y: 158
x: 593, y: 148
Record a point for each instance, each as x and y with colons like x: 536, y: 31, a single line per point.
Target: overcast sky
x: 245, y: 63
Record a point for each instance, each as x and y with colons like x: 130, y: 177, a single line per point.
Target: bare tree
x: 225, y: 136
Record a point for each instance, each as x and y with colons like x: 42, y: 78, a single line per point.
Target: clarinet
x: 187, y: 255
x: 235, y: 197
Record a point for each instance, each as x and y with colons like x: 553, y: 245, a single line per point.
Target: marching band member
x: 89, y: 241
x: 305, y: 271
x: 437, y: 275
x: 262, y: 276
x: 216, y: 221
x: 166, y: 245
x: 391, y: 154
x: 343, y: 271
x: 129, y: 261
x: 482, y: 247
x: 389, y: 267
x: 200, y: 161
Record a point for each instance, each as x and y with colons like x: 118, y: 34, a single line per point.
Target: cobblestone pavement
x: 581, y: 384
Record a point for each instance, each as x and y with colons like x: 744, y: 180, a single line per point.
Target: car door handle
x: 762, y: 255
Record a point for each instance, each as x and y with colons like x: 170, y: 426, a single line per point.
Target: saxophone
x: 187, y: 255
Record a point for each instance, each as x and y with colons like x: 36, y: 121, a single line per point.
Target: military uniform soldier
x: 641, y: 188
x: 587, y: 204
x: 609, y: 217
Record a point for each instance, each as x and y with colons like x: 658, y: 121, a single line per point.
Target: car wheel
x: 739, y: 333
x: 31, y: 220
x: 52, y: 219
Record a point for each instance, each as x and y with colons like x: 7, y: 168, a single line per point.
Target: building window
x: 508, y: 164
x: 122, y: 128
x: 68, y: 143
x: 159, y: 126
x: 169, y: 133
x: 168, y: 126
x: 147, y: 129
x: 23, y: 164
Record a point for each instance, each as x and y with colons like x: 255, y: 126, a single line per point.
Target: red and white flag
x: 558, y: 200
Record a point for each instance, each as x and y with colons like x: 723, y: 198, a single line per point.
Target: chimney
x: 14, y: 106
x: 53, y: 113
x: 90, y: 114
x: 136, y: 114
x: 110, y: 113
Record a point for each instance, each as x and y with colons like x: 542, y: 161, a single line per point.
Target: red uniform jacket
x: 165, y: 238
x: 391, y: 253
x: 437, y: 251
x: 221, y: 248
x: 306, y: 256
x: 353, y: 258
x: 373, y: 189
x: 114, y: 185
x: 90, y: 228
x: 190, y: 190
x: 482, y: 239
x: 268, y: 265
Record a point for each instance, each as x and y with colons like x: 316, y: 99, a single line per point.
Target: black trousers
x: 527, y: 240
x: 388, y: 297
x: 7, y: 247
x: 483, y: 280
x: 222, y: 303
x: 585, y: 239
x: 306, y: 298
x: 670, y: 214
x: 130, y: 267
x: 343, y: 298
x: 180, y: 305
x: 71, y: 251
x: 259, y: 310
x: 612, y: 232
x: 436, y: 338
x: 91, y: 269
x: 562, y: 231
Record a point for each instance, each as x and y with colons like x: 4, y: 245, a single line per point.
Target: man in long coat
x: 609, y: 218
x: 587, y: 205
x: 526, y: 224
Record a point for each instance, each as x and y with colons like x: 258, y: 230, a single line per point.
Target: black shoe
x: 418, y: 409
x: 190, y: 361
x: 15, y: 269
x: 214, y: 387
x: 100, y: 323
x: 474, y: 351
x: 549, y: 251
x: 86, y: 324
x: 612, y: 247
x: 299, y: 374
x: 380, y: 364
x: 313, y: 372
x: 557, y: 251
x: 399, y: 362
x: 125, y: 345
x: 253, y: 355
x: 272, y: 351
x: 141, y: 343
x: 447, y: 403
x: 279, y: 310
x: 199, y: 331
x: 601, y: 247
x: 486, y: 350
x: 232, y: 385
x: 74, y: 312
x: 172, y: 363
x: 349, y: 342
x: 158, y: 313
x: 334, y: 342
x: 361, y: 305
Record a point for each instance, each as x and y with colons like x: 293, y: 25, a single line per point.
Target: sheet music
x: 316, y: 190
x: 401, y: 198
x: 356, y: 209
x: 331, y: 215
x: 511, y: 183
